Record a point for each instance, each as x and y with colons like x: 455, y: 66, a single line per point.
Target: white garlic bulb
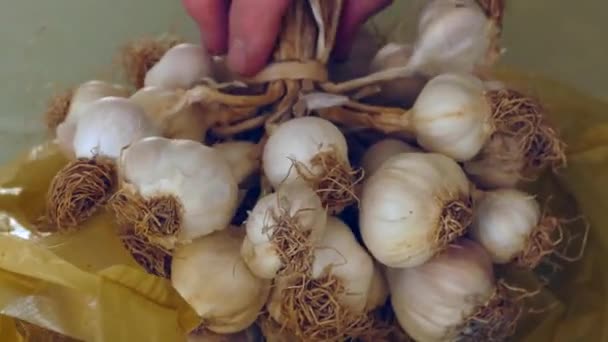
x: 111, y: 124
x: 407, y: 206
x: 499, y: 164
x: 300, y: 140
x: 181, y: 67
x: 434, y: 301
x: 504, y: 220
x: 338, y: 254
x: 196, y: 175
x: 453, y: 36
x: 158, y: 103
x: 295, y: 203
x: 381, y: 151
x: 211, y: 276
x: 459, y: 124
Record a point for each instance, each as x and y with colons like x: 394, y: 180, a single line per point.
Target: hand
x: 247, y: 29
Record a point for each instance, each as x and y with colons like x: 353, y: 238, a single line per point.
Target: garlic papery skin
x: 211, y: 276
x: 434, y: 301
x: 453, y: 36
x: 452, y: 116
x: 381, y: 151
x: 244, y: 157
x: 338, y: 254
x: 110, y: 125
x: 181, y: 67
x: 402, y: 91
x: 311, y: 150
x: 499, y: 164
x: 195, y: 175
x: 413, y: 207
x: 293, y: 211
x: 504, y: 222
x: 188, y: 123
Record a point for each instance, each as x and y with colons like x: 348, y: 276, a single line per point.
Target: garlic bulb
x: 90, y: 92
x: 402, y: 91
x: 499, y: 164
x: 436, y: 300
x: 343, y: 271
x: 453, y: 36
x: 181, y: 67
x: 211, y: 276
x: 95, y: 141
x: 188, y: 123
x: 413, y: 207
x: 509, y: 225
x: 460, y: 123
x: 339, y: 254
x: 82, y: 97
x: 192, y: 176
x: 292, y: 214
x: 311, y: 150
x: 378, y: 290
x: 242, y: 156
x: 381, y: 151
x: 249, y: 335
x: 111, y: 124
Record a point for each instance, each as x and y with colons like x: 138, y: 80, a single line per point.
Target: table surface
x: 47, y: 45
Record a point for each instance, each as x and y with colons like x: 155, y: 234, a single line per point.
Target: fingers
x: 354, y: 14
x: 254, y: 26
x: 212, y: 19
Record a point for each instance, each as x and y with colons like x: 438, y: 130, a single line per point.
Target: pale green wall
x: 48, y: 42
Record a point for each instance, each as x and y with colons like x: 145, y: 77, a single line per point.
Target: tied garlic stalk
x: 413, y: 207
x: 381, y: 151
x: 211, y: 276
x: 281, y: 231
x: 171, y: 192
x: 453, y: 297
x: 402, y: 91
x: 509, y: 224
x: 312, y: 150
x: 330, y: 302
x: 83, y: 185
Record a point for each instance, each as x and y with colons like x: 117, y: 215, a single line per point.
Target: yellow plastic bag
x: 87, y: 287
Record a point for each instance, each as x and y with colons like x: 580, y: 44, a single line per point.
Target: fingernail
x: 237, y: 56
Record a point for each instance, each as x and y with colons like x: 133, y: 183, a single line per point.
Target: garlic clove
x: 181, y: 67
